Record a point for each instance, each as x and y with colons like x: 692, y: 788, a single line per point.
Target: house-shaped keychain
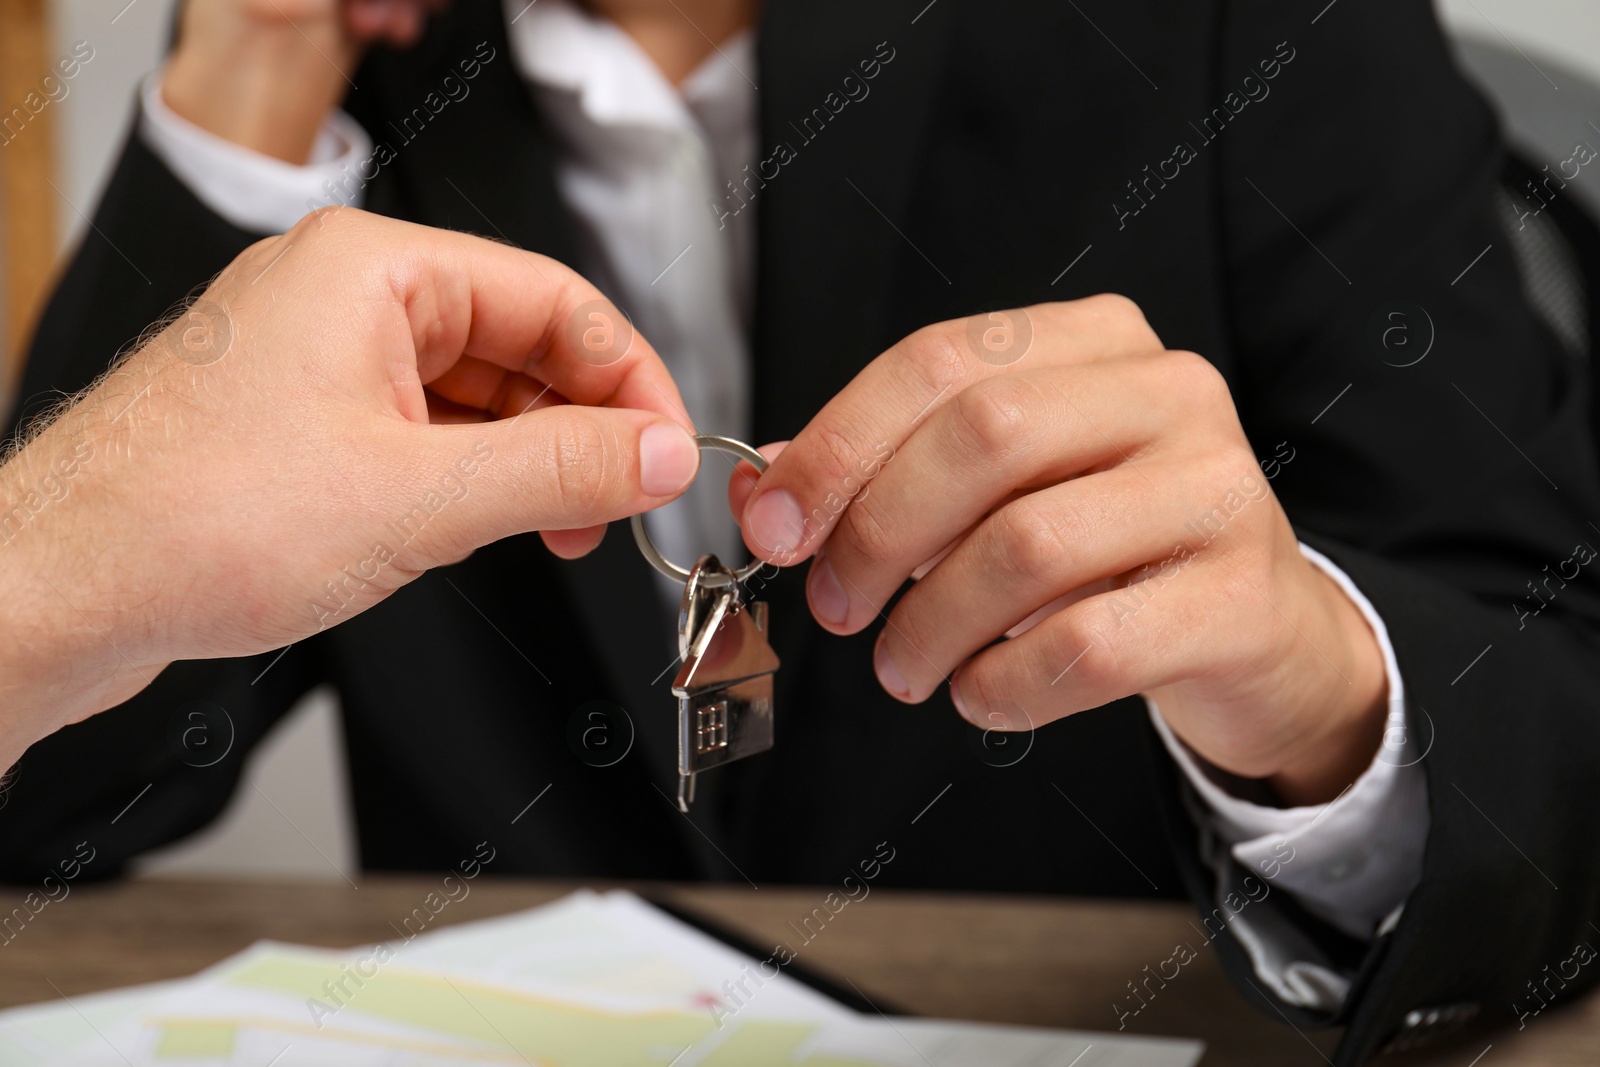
x: 724, y: 687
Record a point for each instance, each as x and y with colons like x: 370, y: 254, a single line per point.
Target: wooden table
x: 1002, y: 959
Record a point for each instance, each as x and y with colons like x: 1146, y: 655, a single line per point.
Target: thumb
x: 742, y: 482
x: 559, y: 468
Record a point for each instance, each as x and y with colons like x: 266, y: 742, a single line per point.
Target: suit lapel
x: 831, y: 220
x: 515, y: 199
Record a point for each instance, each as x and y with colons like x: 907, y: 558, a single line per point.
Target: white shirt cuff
x: 252, y: 191
x: 1351, y: 862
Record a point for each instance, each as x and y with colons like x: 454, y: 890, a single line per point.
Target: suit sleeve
x: 1442, y: 455
x: 165, y: 763
x: 150, y: 245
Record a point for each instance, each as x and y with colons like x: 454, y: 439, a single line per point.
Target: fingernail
x: 668, y: 459
x: 828, y: 598
x: 774, y: 521
x: 889, y: 675
x: 955, y: 698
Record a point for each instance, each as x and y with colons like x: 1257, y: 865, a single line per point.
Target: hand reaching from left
x: 345, y: 407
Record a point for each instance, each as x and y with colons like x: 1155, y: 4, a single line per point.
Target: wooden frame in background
x: 27, y: 167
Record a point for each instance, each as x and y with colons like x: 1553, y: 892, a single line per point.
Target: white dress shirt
x: 641, y: 161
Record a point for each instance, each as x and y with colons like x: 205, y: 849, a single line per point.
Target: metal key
x: 724, y: 686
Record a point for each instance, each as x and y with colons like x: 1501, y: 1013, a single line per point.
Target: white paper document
x: 593, y: 980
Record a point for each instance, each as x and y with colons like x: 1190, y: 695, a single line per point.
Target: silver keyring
x: 671, y: 569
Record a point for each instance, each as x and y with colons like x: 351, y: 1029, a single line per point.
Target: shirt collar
x: 556, y: 46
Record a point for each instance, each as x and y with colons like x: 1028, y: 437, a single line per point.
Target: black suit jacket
x: 1008, y: 153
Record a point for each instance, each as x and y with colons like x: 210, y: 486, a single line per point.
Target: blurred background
x: 291, y: 817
